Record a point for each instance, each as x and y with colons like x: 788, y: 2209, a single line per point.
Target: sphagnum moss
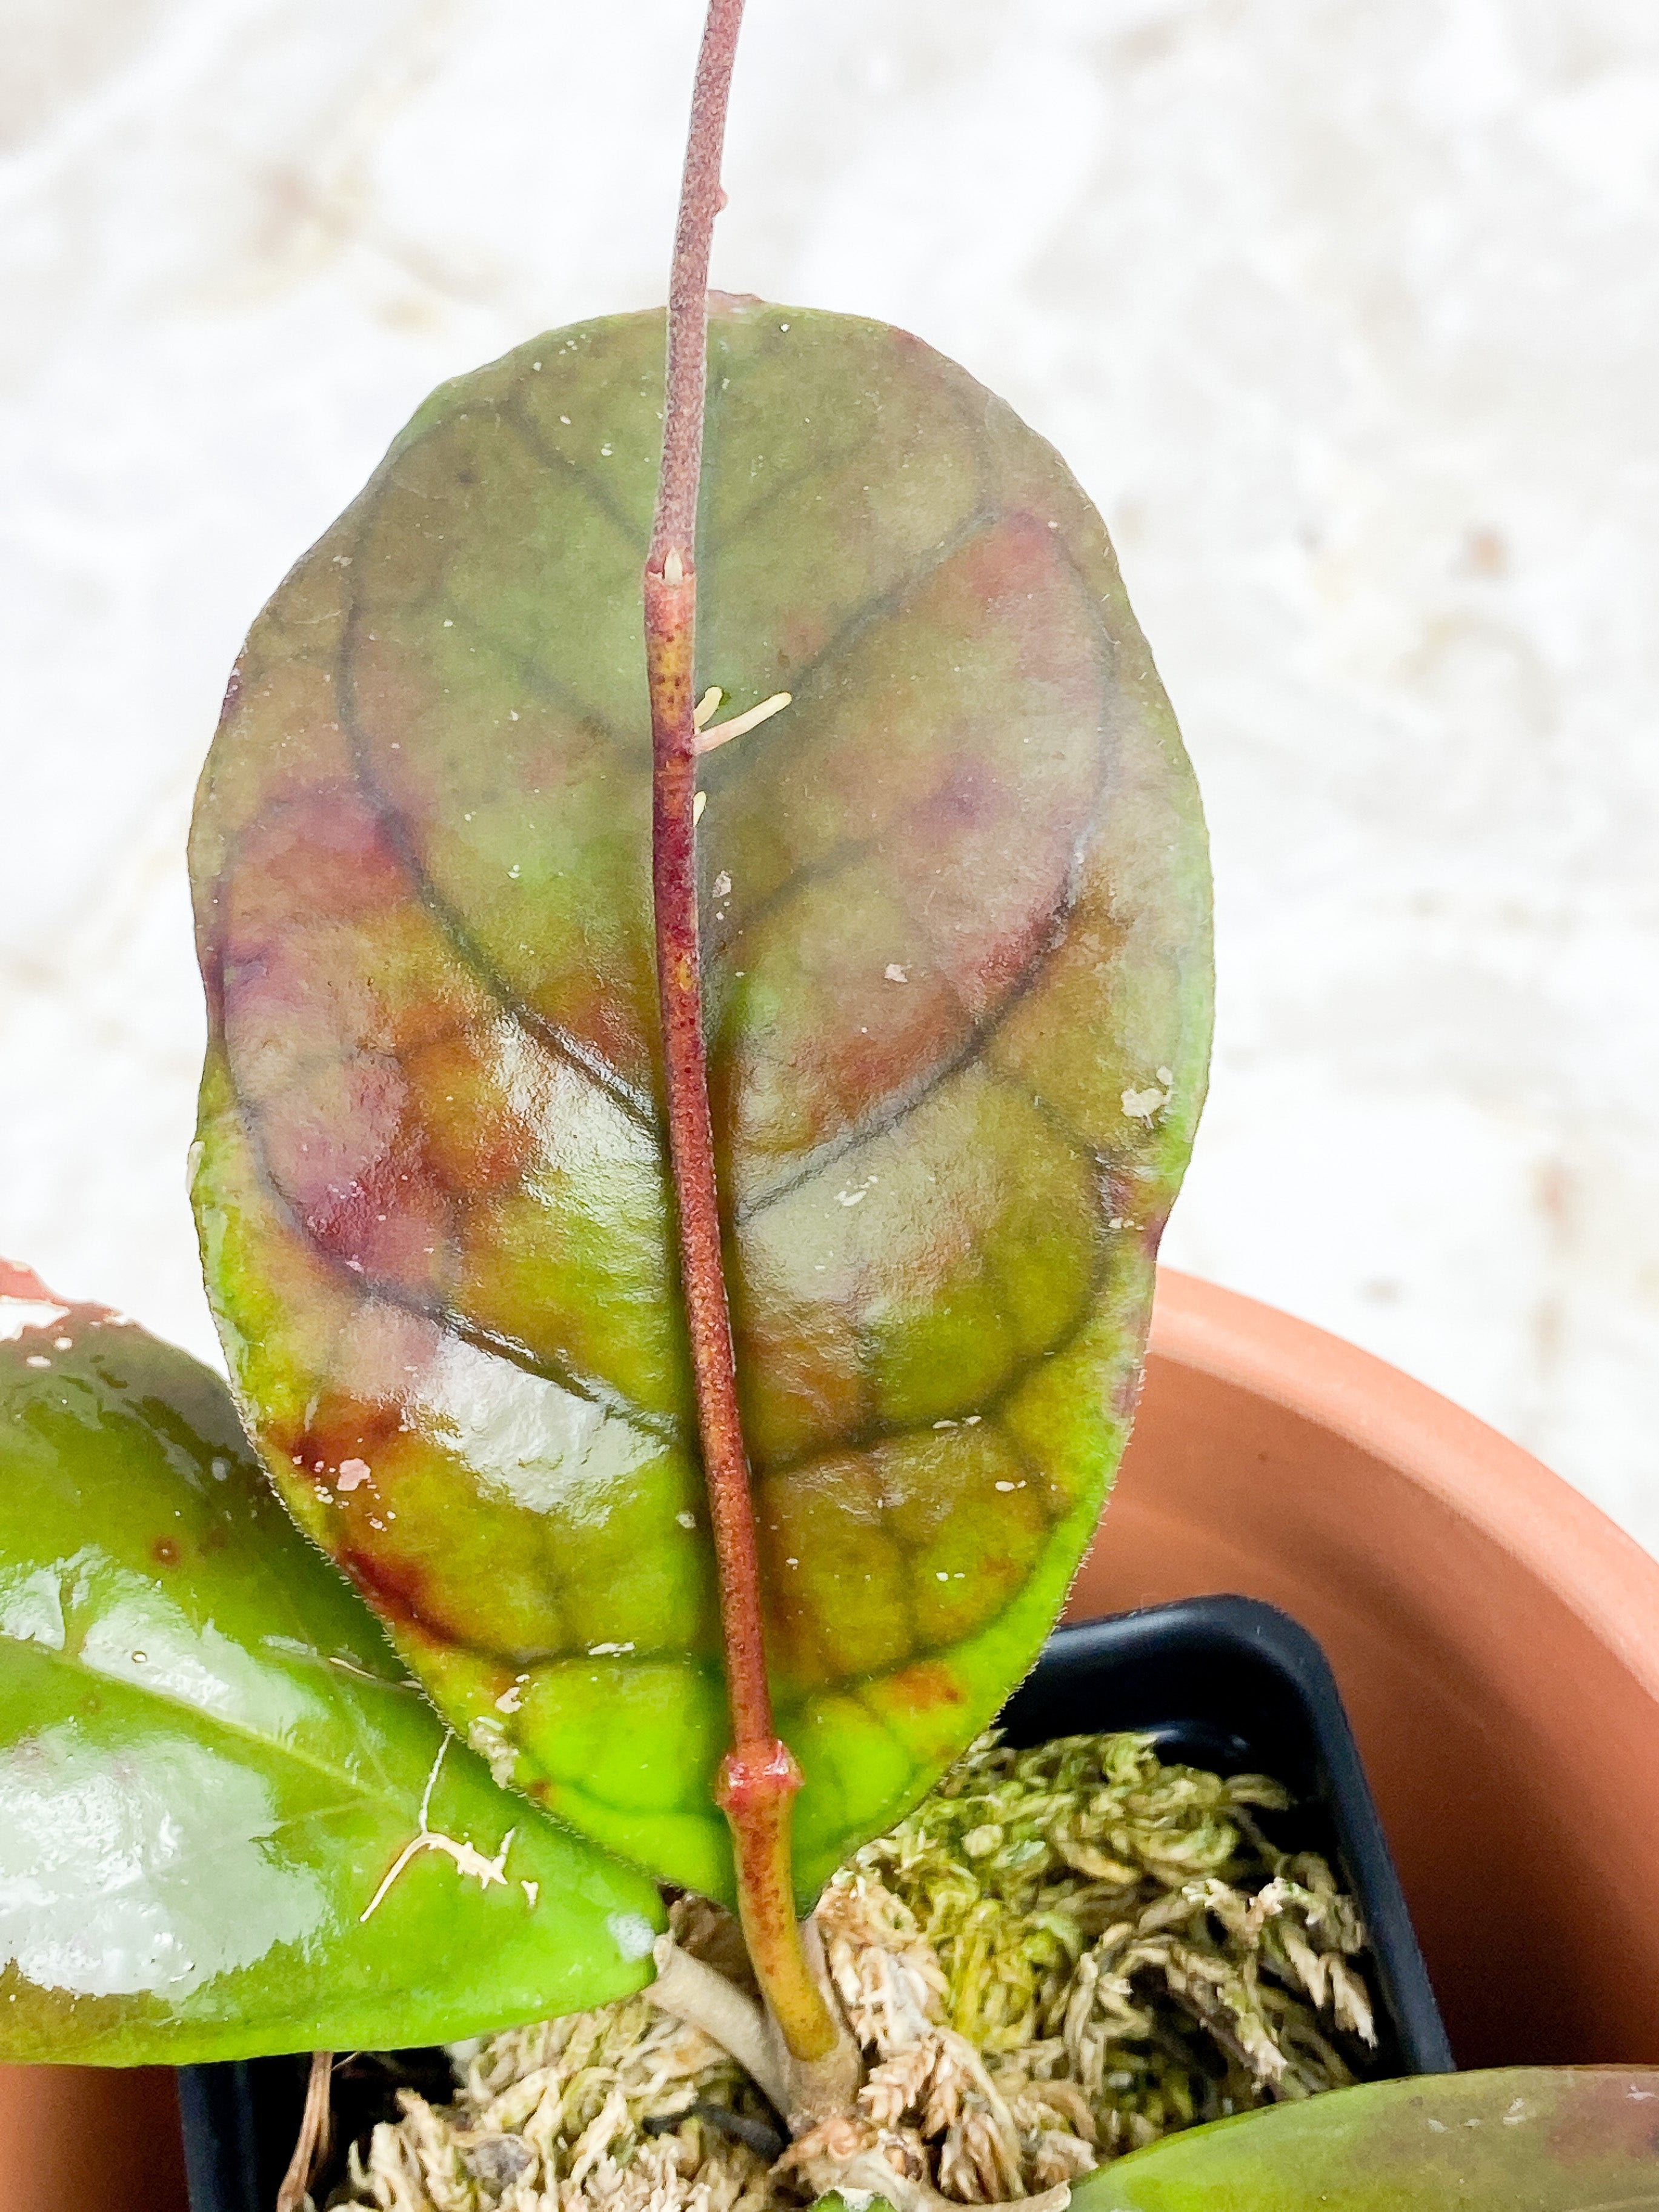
x: 1061, y: 1954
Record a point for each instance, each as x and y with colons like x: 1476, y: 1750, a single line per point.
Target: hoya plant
x: 679, y: 1194
x: 705, y: 919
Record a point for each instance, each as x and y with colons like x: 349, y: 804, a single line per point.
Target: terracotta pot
x: 89, y: 2139
x: 1496, y: 1638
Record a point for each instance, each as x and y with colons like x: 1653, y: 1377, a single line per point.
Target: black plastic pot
x: 1223, y: 1682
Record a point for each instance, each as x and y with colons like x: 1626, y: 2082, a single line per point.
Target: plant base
x: 949, y: 1941
x: 1061, y: 1954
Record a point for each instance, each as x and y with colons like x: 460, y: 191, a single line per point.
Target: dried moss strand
x: 310, y: 2146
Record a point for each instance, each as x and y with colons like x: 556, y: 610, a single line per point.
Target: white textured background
x: 1347, y: 314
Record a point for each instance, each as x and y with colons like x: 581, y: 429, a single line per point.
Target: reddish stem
x: 758, y: 1777
x: 701, y: 200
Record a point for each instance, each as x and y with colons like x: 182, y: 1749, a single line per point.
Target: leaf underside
x: 954, y: 906
x: 211, y: 1762
x: 1520, y: 2139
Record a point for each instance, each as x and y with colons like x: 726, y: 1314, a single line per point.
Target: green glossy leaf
x: 210, y: 1761
x: 956, y: 904
x: 1522, y: 2139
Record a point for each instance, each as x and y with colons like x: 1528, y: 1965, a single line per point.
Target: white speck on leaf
x: 352, y: 1472
x: 1143, y: 1105
x: 531, y: 1890
x: 722, y: 885
x: 687, y: 1520
x: 487, y: 1738
x: 609, y: 1650
x: 632, y: 1934
x: 894, y: 973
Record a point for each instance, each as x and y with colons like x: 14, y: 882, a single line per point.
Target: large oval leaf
x: 956, y: 906
x: 1522, y: 2139
x: 212, y: 1765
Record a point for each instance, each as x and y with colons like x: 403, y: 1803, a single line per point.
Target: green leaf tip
x: 1518, y: 2139
x: 229, y: 1824
x: 955, y: 925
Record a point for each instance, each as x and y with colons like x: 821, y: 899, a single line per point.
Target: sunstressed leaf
x: 955, y: 908
x: 1522, y: 2139
x: 212, y: 1765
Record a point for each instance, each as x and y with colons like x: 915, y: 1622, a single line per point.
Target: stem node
x: 755, y: 1775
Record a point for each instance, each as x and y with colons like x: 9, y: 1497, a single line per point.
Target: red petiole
x: 758, y: 1777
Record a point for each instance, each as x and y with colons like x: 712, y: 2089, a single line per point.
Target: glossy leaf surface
x: 955, y: 941
x: 1520, y: 2139
x: 211, y: 1762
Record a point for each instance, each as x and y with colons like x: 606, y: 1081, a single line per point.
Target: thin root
x: 311, y: 2147
x: 739, y: 724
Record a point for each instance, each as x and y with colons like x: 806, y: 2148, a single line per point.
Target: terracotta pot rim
x: 1551, y: 1529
